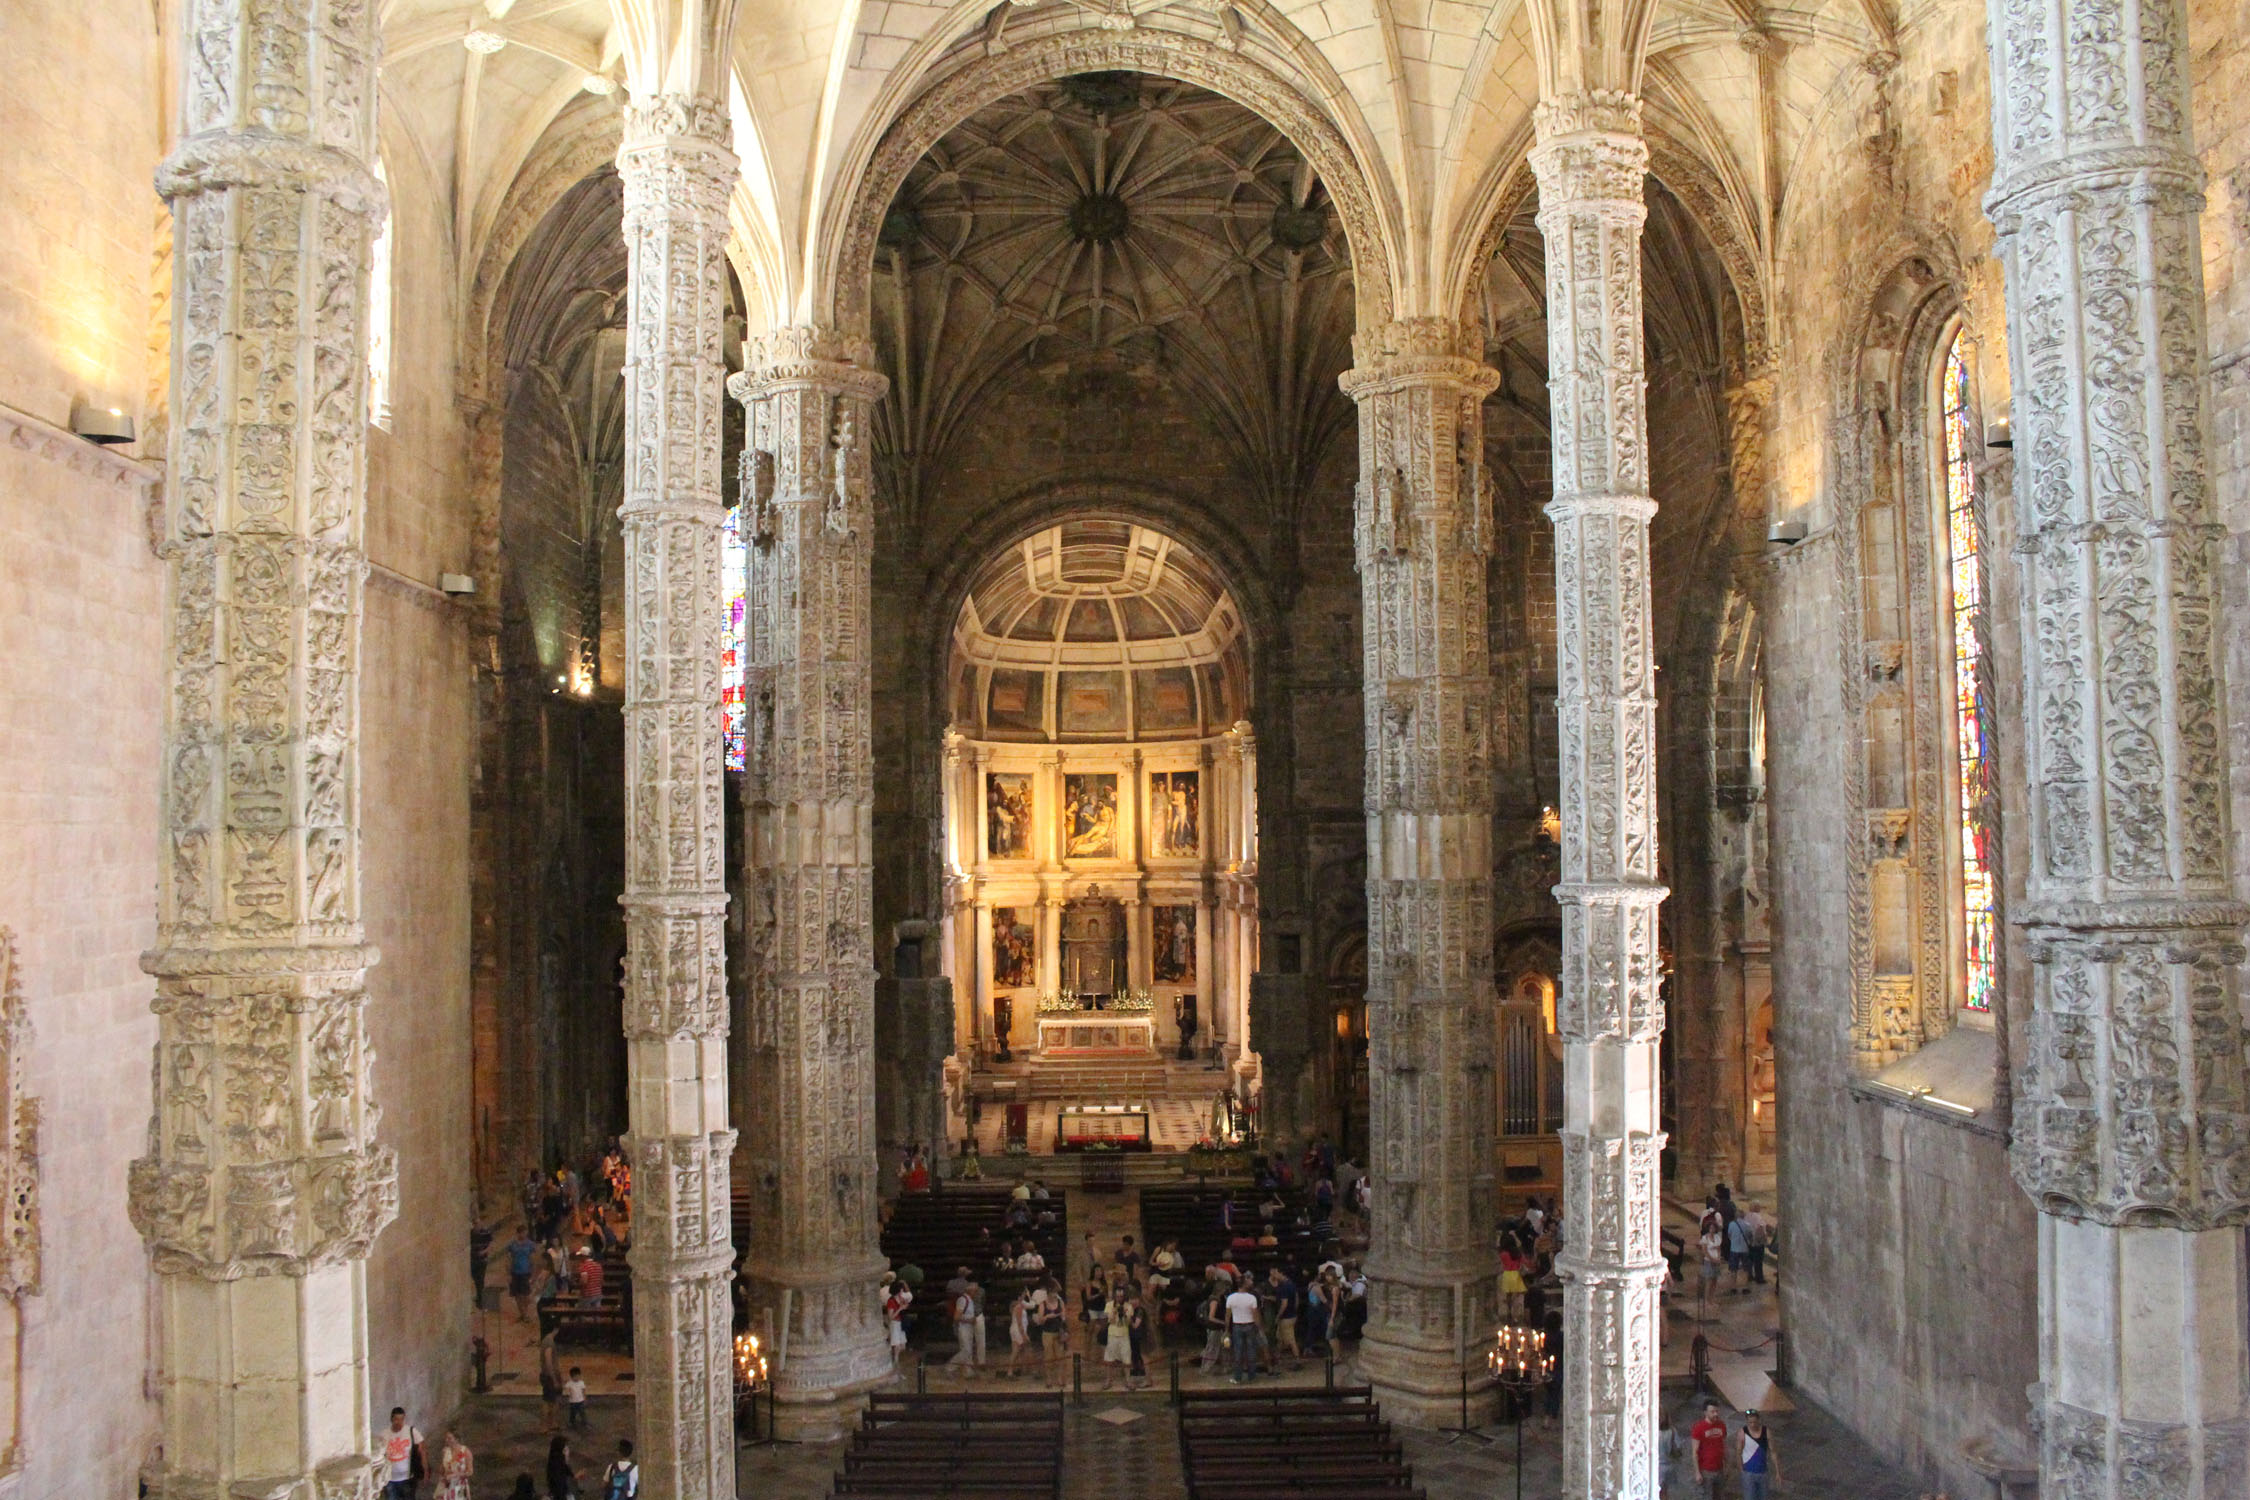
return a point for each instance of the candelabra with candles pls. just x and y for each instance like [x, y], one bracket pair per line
[1521, 1366]
[752, 1378]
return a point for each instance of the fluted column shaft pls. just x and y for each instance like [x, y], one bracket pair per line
[2131, 1128]
[813, 1256]
[676, 168]
[1590, 159]
[1423, 532]
[264, 1186]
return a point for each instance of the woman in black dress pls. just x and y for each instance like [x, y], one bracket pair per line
[562, 1484]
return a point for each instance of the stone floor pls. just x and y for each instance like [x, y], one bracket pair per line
[1121, 1443]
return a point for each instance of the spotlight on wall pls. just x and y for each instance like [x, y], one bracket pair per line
[1787, 533]
[456, 583]
[106, 425]
[2000, 432]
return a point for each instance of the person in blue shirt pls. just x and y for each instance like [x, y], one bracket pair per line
[1738, 1252]
[1760, 1467]
[522, 1251]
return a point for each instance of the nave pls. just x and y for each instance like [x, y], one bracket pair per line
[1122, 1444]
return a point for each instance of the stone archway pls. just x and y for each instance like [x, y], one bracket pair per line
[1161, 54]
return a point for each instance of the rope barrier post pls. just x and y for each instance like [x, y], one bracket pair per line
[1699, 1363]
[1329, 1379]
[1078, 1379]
[1175, 1377]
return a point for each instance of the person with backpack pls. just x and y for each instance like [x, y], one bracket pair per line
[402, 1458]
[1761, 1236]
[968, 1327]
[622, 1479]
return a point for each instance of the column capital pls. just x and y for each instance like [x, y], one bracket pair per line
[1587, 112]
[806, 356]
[676, 159]
[1589, 152]
[1412, 352]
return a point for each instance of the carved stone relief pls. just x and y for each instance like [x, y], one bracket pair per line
[676, 167]
[1590, 160]
[809, 819]
[264, 1183]
[1423, 535]
[2133, 1110]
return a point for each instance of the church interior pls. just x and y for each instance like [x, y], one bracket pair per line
[1415, 643]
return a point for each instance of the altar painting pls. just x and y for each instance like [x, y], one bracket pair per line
[1090, 815]
[1007, 815]
[1172, 954]
[1175, 811]
[1015, 950]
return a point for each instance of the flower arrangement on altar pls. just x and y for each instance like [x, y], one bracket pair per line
[1066, 1002]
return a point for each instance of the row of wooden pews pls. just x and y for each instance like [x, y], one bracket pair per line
[607, 1324]
[1319, 1444]
[1190, 1214]
[963, 1446]
[961, 1226]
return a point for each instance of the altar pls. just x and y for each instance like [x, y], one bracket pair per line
[1087, 1032]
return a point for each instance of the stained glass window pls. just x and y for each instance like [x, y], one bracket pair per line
[1972, 711]
[734, 640]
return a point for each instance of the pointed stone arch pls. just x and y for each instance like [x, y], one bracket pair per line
[844, 282]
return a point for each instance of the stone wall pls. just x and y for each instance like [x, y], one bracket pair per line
[417, 740]
[82, 683]
[1909, 1283]
[79, 762]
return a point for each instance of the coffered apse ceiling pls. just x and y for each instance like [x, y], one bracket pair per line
[1098, 629]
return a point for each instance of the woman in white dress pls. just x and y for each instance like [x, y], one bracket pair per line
[1117, 1341]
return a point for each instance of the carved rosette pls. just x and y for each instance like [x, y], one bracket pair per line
[1423, 530]
[810, 813]
[2131, 1112]
[264, 1184]
[675, 168]
[1590, 161]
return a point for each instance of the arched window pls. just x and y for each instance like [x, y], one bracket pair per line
[379, 317]
[734, 639]
[1971, 687]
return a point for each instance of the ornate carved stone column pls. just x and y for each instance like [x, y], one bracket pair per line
[1590, 159]
[2132, 1132]
[264, 1186]
[676, 168]
[1424, 528]
[813, 1256]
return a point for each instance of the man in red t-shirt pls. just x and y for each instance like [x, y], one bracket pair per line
[1710, 1439]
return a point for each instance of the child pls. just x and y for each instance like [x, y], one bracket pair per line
[574, 1398]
